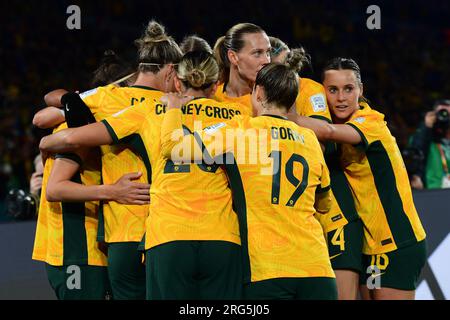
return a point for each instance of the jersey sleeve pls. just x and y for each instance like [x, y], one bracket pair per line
[368, 125]
[314, 103]
[325, 178]
[126, 122]
[92, 99]
[323, 190]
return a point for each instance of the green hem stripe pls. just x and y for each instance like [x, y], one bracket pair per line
[386, 185]
[240, 207]
[322, 190]
[363, 138]
[316, 116]
[72, 156]
[145, 88]
[110, 131]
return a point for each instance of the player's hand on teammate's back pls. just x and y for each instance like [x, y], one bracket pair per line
[126, 191]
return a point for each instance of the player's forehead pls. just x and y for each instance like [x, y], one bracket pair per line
[256, 41]
[339, 77]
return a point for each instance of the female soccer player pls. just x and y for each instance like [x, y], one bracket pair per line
[191, 216]
[311, 100]
[342, 227]
[195, 43]
[125, 224]
[284, 252]
[66, 234]
[394, 240]
[241, 53]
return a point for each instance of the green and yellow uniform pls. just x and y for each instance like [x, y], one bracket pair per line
[377, 175]
[279, 234]
[123, 225]
[311, 100]
[189, 202]
[245, 100]
[66, 235]
[382, 193]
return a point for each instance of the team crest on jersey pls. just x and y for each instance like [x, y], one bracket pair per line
[214, 127]
[86, 94]
[318, 102]
[360, 119]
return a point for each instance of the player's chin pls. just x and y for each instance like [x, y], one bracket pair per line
[342, 114]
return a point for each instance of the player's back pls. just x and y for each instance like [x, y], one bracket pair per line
[122, 222]
[282, 171]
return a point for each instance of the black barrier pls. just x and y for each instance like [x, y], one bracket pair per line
[23, 278]
[434, 209]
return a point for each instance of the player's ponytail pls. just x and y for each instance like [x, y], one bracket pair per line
[220, 53]
[195, 43]
[198, 70]
[111, 68]
[296, 58]
[156, 48]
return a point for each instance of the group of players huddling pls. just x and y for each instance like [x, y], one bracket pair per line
[222, 174]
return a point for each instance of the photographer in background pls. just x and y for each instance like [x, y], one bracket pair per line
[22, 205]
[433, 139]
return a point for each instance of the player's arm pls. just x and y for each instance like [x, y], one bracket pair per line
[61, 188]
[322, 202]
[172, 136]
[48, 117]
[92, 135]
[53, 98]
[340, 133]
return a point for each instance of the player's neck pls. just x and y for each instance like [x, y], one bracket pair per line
[273, 111]
[236, 86]
[197, 93]
[147, 80]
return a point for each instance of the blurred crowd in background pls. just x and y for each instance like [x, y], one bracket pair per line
[405, 65]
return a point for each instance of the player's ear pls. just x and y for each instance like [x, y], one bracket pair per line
[178, 85]
[361, 94]
[232, 57]
[214, 87]
[259, 93]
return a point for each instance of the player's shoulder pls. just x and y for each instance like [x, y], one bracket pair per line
[98, 91]
[310, 85]
[366, 114]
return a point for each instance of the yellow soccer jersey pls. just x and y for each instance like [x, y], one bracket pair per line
[188, 201]
[122, 223]
[382, 193]
[311, 100]
[64, 235]
[334, 218]
[245, 100]
[343, 208]
[275, 169]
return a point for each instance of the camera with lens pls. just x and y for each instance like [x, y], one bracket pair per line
[442, 124]
[21, 205]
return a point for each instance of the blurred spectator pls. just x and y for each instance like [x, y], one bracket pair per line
[433, 139]
[36, 177]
